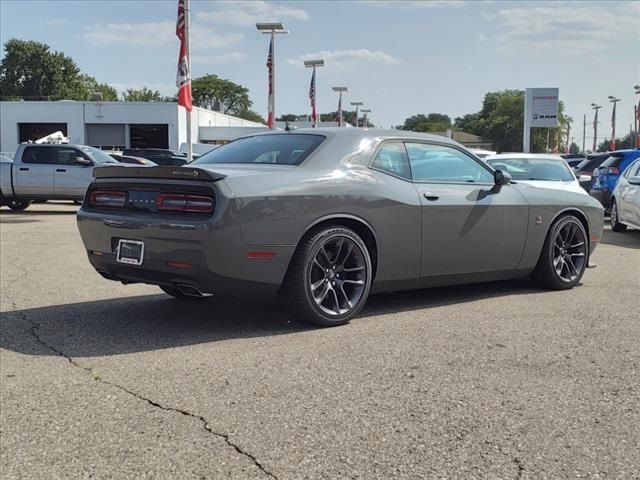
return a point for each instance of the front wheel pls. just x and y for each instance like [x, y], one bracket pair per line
[19, 205]
[330, 276]
[616, 226]
[564, 255]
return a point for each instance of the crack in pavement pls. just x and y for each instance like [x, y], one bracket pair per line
[205, 424]
[521, 468]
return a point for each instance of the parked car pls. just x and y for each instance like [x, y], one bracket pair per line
[625, 200]
[605, 177]
[48, 171]
[587, 166]
[480, 153]
[573, 159]
[132, 160]
[158, 155]
[324, 217]
[540, 170]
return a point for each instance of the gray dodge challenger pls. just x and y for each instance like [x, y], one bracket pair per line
[325, 217]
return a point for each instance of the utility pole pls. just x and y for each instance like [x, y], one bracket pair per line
[340, 91]
[357, 105]
[365, 121]
[613, 100]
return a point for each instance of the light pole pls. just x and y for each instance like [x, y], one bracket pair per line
[357, 105]
[312, 89]
[340, 90]
[272, 29]
[636, 118]
[365, 122]
[613, 100]
[595, 126]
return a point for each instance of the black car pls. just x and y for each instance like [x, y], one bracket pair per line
[160, 156]
[588, 165]
[573, 159]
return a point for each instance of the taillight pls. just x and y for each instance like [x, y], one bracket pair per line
[177, 202]
[613, 171]
[108, 198]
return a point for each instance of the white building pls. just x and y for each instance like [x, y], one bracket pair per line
[117, 125]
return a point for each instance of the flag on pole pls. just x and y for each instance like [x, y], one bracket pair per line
[270, 118]
[183, 79]
[613, 127]
[312, 97]
[340, 110]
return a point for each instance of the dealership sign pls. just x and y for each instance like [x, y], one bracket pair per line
[541, 107]
[540, 110]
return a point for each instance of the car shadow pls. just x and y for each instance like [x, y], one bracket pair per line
[628, 239]
[153, 322]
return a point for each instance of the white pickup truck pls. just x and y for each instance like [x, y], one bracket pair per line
[48, 171]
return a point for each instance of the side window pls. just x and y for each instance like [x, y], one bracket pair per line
[636, 169]
[439, 163]
[392, 158]
[38, 155]
[65, 155]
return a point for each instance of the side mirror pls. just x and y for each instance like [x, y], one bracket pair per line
[584, 178]
[502, 178]
[83, 162]
[634, 180]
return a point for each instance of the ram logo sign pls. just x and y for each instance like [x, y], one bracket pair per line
[541, 107]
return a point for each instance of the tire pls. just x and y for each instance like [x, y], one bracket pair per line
[19, 205]
[175, 293]
[564, 256]
[333, 296]
[616, 226]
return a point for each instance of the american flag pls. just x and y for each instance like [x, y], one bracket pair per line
[183, 78]
[312, 97]
[270, 118]
[340, 110]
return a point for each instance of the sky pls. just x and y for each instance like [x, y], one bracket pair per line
[400, 58]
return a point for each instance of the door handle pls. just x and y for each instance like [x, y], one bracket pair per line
[24, 169]
[430, 196]
[60, 170]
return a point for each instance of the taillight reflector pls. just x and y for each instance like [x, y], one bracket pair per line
[179, 264]
[108, 198]
[254, 255]
[613, 171]
[177, 202]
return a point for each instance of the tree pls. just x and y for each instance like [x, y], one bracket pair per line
[289, 117]
[142, 95]
[574, 148]
[90, 86]
[433, 122]
[216, 93]
[31, 71]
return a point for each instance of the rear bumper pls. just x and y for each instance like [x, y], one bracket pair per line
[211, 254]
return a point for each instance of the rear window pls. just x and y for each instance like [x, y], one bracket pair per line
[274, 149]
[612, 162]
[589, 164]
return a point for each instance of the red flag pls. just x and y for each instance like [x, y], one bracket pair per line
[613, 127]
[183, 79]
[312, 97]
[270, 118]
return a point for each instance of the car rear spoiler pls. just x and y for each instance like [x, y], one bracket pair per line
[164, 173]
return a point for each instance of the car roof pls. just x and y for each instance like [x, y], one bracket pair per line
[541, 156]
[382, 134]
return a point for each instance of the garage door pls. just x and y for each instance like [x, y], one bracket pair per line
[106, 136]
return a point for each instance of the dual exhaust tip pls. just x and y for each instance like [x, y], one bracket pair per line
[186, 289]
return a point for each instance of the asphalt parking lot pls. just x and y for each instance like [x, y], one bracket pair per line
[498, 380]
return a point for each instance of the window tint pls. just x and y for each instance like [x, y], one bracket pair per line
[533, 168]
[439, 163]
[272, 149]
[633, 170]
[392, 158]
[612, 161]
[41, 155]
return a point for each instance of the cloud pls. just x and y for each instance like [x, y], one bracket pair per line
[247, 13]
[341, 58]
[221, 58]
[563, 27]
[156, 34]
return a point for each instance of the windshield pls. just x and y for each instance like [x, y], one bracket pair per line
[98, 155]
[274, 149]
[534, 169]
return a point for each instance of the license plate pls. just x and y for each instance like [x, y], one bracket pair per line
[130, 252]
